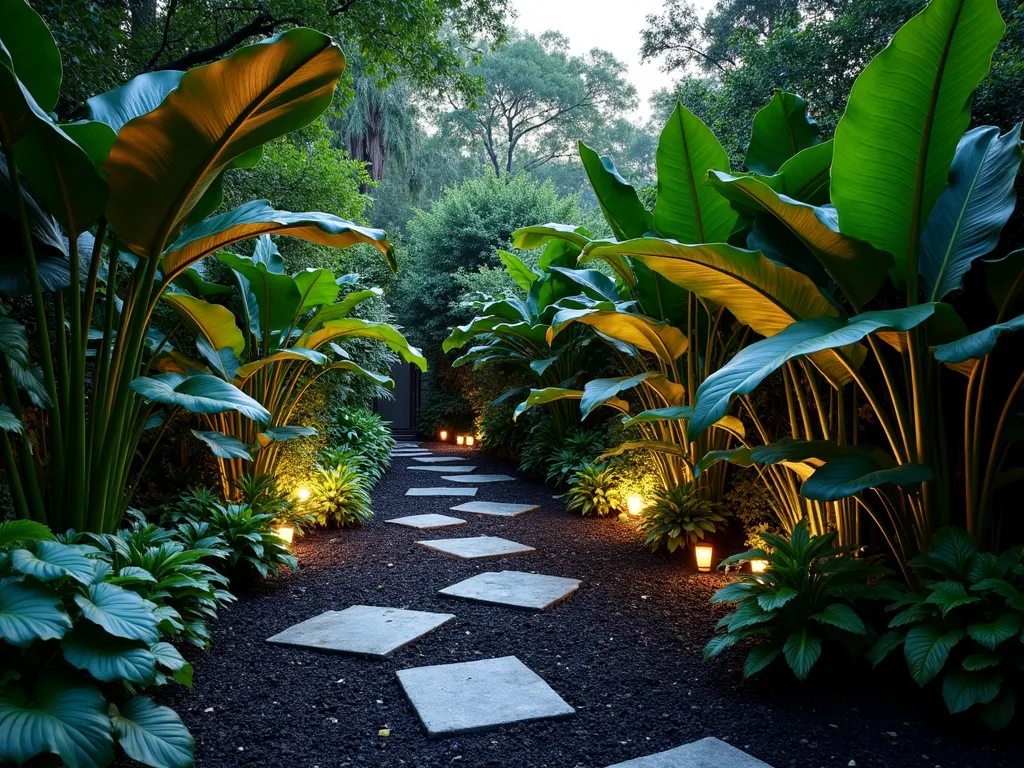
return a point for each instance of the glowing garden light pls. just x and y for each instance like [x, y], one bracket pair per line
[758, 566]
[470, 440]
[704, 552]
[444, 435]
[285, 532]
[460, 440]
[635, 505]
[302, 493]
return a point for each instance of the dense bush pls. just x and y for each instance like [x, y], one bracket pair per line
[678, 516]
[364, 432]
[77, 651]
[966, 627]
[339, 497]
[594, 490]
[805, 600]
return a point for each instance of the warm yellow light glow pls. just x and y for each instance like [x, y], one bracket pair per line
[470, 440]
[758, 566]
[635, 504]
[460, 440]
[704, 552]
[302, 493]
[444, 435]
[285, 532]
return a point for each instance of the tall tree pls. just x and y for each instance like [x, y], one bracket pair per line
[541, 98]
[426, 41]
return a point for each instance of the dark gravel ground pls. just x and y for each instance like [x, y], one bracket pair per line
[625, 651]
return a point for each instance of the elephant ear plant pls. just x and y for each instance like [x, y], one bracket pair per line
[77, 651]
[100, 218]
[292, 331]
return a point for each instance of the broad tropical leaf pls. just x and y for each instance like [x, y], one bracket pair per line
[927, 647]
[154, 735]
[164, 161]
[52, 560]
[547, 395]
[201, 393]
[977, 345]
[602, 391]
[906, 113]
[64, 718]
[316, 287]
[23, 530]
[781, 129]
[120, 612]
[517, 270]
[751, 365]
[223, 446]
[687, 210]
[138, 96]
[108, 658]
[48, 244]
[32, 52]
[295, 353]
[654, 336]
[29, 612]
[847, 476]
[342, 308]
[805, 176]
[280, 434]
[214, 322]
[9, 422]
[857, 268]
[352, 327]
[961, 690]
[619, 203]
[970, 213]
[529, 238]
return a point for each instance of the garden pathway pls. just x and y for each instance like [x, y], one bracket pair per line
[623, 650]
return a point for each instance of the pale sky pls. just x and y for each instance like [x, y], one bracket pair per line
[613, 25]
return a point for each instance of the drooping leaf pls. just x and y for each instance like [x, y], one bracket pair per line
[846, 476]
[841, 616]
[961, 689]
[164, 161]
[281, 434]
[223, 361]
[547, 395]
[52, 560]
[108, 658]
[970, 213]
[530, 238]
[517, 270]
[200, 394]
[23, 530]
[805, 176]
[781, 129]
[686, 209]
[906, 112]
[119, 611]
[751, 365]
[295, 353]
[594, 283]
[619, 203]
[992, 633]
[352, 327]
[154, 735]
[599, 391]
[31, 51]
[193, 281]
[224, 446]
[9, 422]
[214, 322]
[64, 717]
[977, 345]
[342, 308]
[654, 336]
[857, 268]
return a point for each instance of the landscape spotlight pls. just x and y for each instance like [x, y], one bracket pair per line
[704, 552]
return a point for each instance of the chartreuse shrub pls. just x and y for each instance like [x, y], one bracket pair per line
[966, 628]
[101, 219]
[364, 432]
[77, 652]
[339, 497]
[807, 599]
[678, 516]
[594, 490]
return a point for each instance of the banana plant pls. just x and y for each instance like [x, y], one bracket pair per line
[102, 216]
[292, 331]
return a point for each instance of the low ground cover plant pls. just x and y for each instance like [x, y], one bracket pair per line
[79, 650]
[678, 516]
[806, 600]
[594, 490]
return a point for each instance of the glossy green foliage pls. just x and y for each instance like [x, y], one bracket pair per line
[677, 517]
[809, 598]
[363, 433]
[594, 489]
[340, 498]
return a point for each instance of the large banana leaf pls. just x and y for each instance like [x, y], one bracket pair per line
[316, 287]
[258, 218]
[165, 161]
[781, 129]
[603, 391]
[342, 308]
[905, 115]
[199, 394]
[805, 176]
[299, 354]
[857, 267]
[530, 238]
[353, 327]
[970, 213]
[213, 321]
[977, 345]
[223, 446]
[277, 296]
[654, 336]
[763, 295]
[518, 270]
[686, 209]
[751, 365]
[619, 203]
[547, 395]
[138, 96]
[33, 54]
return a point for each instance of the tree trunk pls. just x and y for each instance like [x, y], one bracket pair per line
[143, 12]
[370, 147]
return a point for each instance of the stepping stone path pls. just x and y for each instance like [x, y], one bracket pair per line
[362, 630]
[437, 459]
[427, 522]
[706, 753]
[448, 468]
[480, 479]
[515, 588]
[495, 508]
[476, 547]
[441, 492]
[479, 696]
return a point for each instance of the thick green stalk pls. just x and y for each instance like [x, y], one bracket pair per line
[30, 474]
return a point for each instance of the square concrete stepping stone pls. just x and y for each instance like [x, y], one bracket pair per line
[412, 452]
[438, 459]
[362, 630]
[706, 753]
[515, 588]
[479, 696]
[427, 522]
[480, 479]
[441, 492]
[496, 508]
[476, 547]
[448, 468]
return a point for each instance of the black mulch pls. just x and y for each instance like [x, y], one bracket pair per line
[625, 651]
